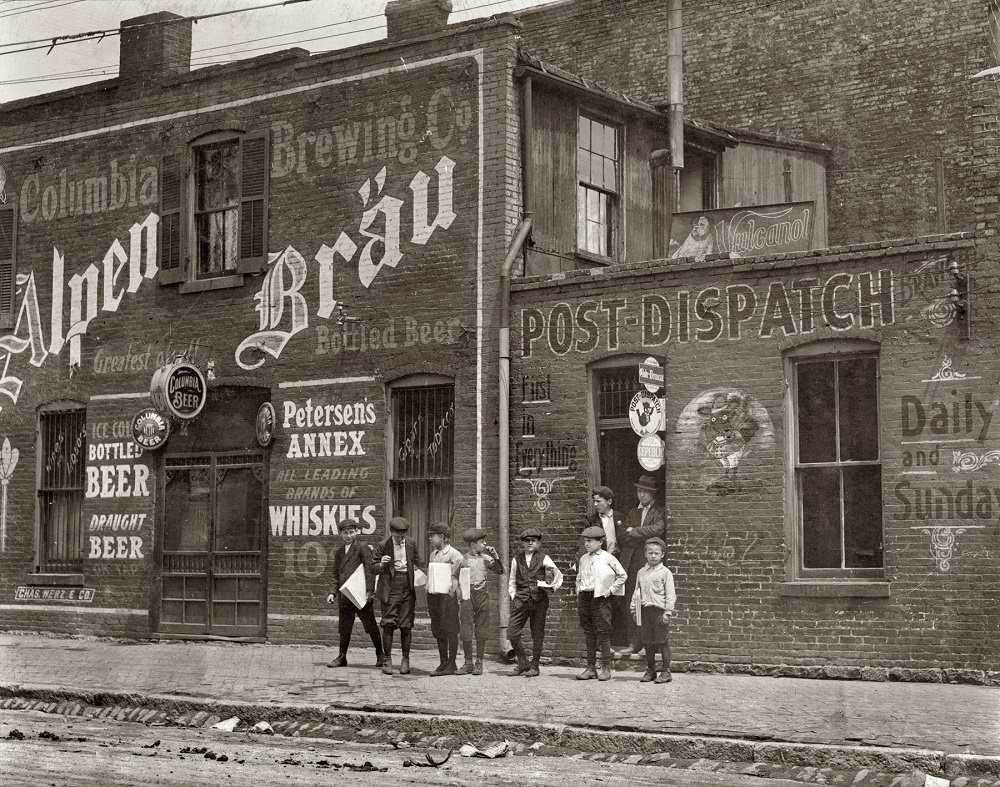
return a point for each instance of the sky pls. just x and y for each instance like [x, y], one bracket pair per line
[315, 25]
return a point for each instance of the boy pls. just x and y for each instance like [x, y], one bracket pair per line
[599, 576]
[443, 606]
[345, 562]
[396, 592]
[475, 611]
[533, 576]
[645, 521]
[652, 605]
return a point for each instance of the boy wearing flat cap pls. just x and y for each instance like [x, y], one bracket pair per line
[397, 560]
[533, 576]
[644, 521]
[442, 603]
[345, 563]
[599, 576]
[474, 612]
[652, 605]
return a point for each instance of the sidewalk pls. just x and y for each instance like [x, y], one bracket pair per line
[953, 719]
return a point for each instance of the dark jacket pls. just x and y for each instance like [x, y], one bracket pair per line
[388, 571]
[633, 545]
[595, 520]
[345, 563]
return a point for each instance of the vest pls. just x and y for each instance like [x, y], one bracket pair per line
[526, 579]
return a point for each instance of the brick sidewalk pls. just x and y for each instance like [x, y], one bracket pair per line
[943, 717]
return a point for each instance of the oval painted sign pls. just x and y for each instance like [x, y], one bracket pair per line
[180, 389]
[150, 429]
[265, 424]
[650, 452]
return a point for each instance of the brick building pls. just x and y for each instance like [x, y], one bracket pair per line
[327, 234]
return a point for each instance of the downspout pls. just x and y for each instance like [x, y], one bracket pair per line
[503, 420]
[675, 81]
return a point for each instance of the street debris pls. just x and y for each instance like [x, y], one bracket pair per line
[229, 725]
[501, 749]
[289, 761]
[367, 767]
[263, 728]
[152, 745]
[49, 736]
[193, 749]
[15, 735]
[431, 762]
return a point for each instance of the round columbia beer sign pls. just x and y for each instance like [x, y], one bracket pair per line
[150, 429]
[180, 389]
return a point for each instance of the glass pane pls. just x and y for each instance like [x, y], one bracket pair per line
[593, 205]
[194, 612]
[581, 217]
[217, 175]
[863, 517]
[583, 165]
[225, 589]
[248, 615]
[610, 142]
[186, 510]
[195, 587]
[584, 142]
[819, 498]
[858, 387]
[816, 413]
[224, 614]
[237, 510]
[249, 589]
[610, 175]
[173, 587]
[217, 239]
[172, 612]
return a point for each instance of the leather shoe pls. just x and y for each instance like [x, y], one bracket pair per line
[532, 671]
[588, 674]
[465, 669]
[387, 666]
[478, 668]
[379, 661]
[664, 677]
[404, 666]
[648, 677]
[340, 661]
[604, 674]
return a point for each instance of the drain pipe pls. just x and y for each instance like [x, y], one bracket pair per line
[503, 421]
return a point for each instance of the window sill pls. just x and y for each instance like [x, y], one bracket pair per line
[598, 259]
[834, 588]
[206, 285]
[55, 580]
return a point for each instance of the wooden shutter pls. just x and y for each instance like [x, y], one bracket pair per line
[173, 246]
[255, 164]
[8, 266]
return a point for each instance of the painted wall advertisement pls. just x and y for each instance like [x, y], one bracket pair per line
[743, 232]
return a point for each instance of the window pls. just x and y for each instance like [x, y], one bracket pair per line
[837, 465]
[423, 454]
[696, 185]
[63, 436]
[213, 208]
[597, 195]
[8, 252]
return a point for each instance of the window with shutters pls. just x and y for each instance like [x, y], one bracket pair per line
[8, 267]
[213, 209]
[62, 455]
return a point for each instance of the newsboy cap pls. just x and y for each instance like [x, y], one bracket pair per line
[594, 532]
[647, 482]
[349, 524]
[399, 524]
[656, 540]
[473, 534]
[440, 529]
[603, 491]
[531, 532]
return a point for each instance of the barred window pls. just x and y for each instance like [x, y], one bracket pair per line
[63, 436]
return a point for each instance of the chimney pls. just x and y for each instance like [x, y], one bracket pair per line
[154, 47]
[415, 18]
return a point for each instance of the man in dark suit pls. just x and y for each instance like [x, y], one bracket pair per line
[397, 560]
[346, 561]
[645, 521]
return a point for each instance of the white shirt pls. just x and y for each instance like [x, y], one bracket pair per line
[399, 555]
[608, 523]
[642, 516]
[587, 573]
[547, 562]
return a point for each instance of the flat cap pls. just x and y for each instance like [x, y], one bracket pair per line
[603, 491]
[594, 532]
[349, 524]
[473, 534]
[399, 524]
[440, 529]
[531, 532]
[656, 540]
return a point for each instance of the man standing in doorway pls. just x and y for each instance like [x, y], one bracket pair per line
[645, 521]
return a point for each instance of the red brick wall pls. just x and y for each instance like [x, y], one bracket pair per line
[728, 550]
[422, 314]
[886, 86]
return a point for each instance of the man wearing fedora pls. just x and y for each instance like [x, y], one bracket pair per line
[643, 522]
[397, 560]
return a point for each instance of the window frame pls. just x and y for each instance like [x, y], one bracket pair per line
[825, 350]
[616, 197]
[8, 265]
[711, 182]
[43, 565]
[196, 211]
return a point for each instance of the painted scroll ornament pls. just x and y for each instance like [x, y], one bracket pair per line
[8, 461]
[541, 488]
[970, 460]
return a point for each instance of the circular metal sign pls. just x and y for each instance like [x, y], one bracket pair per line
[651, 375]
[650, 452]
[150, 429]
[645, 413]
[265, 424]
[180, 389]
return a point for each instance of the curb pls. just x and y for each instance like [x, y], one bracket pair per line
[338, 721]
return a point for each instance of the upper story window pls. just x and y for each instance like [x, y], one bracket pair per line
[598, 172]
[213, 209]
[837, 464]
[8, 262]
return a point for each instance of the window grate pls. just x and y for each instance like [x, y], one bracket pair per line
[615, 389]
[63, 436]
